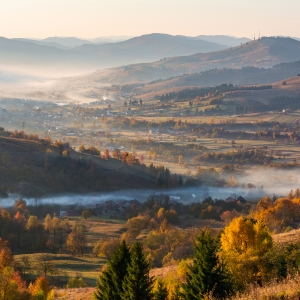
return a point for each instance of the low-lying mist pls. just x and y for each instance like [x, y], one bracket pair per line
[263, 182]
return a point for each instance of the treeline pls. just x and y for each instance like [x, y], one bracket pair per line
[222, 132]
[26, 233]
[193, 93]
[284, 102]
[208, 91]
[241, 156]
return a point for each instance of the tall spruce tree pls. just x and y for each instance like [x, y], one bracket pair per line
[110, 281]
[137, 284]
[207, 273]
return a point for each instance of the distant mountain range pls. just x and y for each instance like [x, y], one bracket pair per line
[149, 47]
[146, 58]
[229, 41]
[71, 42]
[262, 53]
[61, 56]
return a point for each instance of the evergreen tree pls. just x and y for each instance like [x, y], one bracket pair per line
[160, 292]
[207, 274]
[110, 281]
[137, 284]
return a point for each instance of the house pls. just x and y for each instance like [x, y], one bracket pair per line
[229, 199]
[241, 199]
[70, 133]
[69, 213]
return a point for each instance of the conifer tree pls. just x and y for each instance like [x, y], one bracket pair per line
[110, 281]
[137, 284]
[160, 291]
[207, 273]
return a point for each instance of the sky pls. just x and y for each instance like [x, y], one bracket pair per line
[94, 18]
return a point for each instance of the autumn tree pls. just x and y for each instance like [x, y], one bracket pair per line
[6, 257]
[106, 247]
[244, 242]
[81, 148]
[180, 159]
[40, 289]
[86, 214]
[12, 286]
[76, 283]
[160, 291]
[77, 239]
[116, 154]
[106, 154]
[154, 155]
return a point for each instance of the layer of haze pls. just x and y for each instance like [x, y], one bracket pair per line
[92, 18]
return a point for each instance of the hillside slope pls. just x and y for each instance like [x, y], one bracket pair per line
[244, 76]
[35, 169]
[263, 53]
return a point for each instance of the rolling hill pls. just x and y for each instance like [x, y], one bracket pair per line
[263, 53]
[36, 169]
[243, 76]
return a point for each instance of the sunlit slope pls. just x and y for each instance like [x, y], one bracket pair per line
[263, 53]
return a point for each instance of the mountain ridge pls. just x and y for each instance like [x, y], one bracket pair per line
[263, 53]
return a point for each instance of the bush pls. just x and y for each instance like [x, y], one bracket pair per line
[76, 283]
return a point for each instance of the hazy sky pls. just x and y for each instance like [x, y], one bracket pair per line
[93, 18]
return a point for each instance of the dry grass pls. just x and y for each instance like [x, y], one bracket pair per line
[288, 290]
[74, 294]
[292, 236]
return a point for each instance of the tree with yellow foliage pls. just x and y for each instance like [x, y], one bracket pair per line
[279, 214]
[244, 242]
[40, 290]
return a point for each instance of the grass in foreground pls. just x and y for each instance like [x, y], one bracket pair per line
[288, 289]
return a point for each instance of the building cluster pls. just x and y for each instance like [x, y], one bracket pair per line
[106, 208]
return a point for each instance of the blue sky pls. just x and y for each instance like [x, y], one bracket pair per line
[93, 18]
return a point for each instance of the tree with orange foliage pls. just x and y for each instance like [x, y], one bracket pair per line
[124, 155]
[19, 218]
[6, 257]
[283, 212]
[20, 205]
[11, 285]
[40, 289]
[106, 154]
[116, 154]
